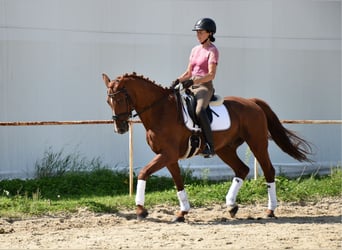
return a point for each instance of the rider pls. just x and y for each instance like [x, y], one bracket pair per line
[199, 76]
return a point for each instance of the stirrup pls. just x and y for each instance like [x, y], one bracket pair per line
[208, 151]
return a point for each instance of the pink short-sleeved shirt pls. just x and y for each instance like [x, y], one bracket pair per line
[201, 57]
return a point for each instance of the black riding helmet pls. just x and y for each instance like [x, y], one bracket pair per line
[205, 24]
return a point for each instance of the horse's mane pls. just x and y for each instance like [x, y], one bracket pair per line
[142, 77]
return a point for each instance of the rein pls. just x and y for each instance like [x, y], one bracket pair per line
[149, 106]
[129, 100]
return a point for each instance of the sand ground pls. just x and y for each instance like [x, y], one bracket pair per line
[312, 225]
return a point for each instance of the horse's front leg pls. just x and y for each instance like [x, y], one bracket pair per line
[140, 200]
[158, 162]
[181, 193]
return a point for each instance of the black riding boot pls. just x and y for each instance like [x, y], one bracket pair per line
[203, 120]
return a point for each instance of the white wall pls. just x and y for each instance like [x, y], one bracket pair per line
[52, 54]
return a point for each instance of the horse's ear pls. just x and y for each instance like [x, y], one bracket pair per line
[106, 79]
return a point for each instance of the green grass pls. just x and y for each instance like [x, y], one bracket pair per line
[106, 191]
[103, 190]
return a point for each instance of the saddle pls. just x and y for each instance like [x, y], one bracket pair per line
[191, 103]
[187, 103]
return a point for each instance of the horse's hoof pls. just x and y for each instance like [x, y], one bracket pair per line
[178, 219]
[180, 216]
[141, 213]
[270, 214]
[233, 210]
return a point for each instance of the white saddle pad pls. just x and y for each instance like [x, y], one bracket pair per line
[221, 119]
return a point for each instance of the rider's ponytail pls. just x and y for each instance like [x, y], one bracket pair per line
[212, 38]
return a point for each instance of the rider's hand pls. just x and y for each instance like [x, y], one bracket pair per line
[175, 83]
[188, 83]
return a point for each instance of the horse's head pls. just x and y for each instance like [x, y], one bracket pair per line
[120, 103]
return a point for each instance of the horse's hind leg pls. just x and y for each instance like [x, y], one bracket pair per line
[229, 156]
[259, 146]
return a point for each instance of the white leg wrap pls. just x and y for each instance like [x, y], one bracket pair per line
[140, 195]
[233, 191]
[272, 196]
[183, 201]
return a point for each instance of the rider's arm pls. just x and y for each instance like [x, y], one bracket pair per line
[187, 74]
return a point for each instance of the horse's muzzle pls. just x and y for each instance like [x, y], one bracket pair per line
[121, 127]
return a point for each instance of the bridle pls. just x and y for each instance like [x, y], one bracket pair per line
[130, 106]
[128, 101]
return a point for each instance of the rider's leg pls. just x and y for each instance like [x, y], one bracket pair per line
[203, 95]
[208, 136]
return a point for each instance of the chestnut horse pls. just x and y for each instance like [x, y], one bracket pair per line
[252, 121]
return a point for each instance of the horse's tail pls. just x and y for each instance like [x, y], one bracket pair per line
[287, 140]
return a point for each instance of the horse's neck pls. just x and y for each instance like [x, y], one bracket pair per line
[148, 98]
[146, 93]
